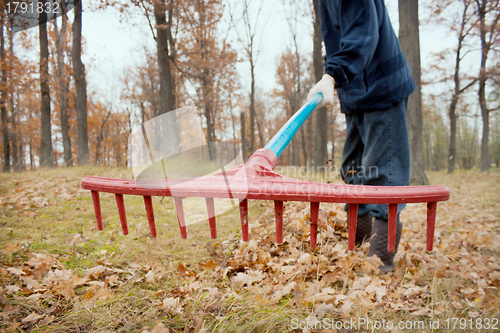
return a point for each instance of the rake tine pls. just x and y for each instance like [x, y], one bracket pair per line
[151, 216]
[393, 220]
[211, 217]
[244, 219]
[353, 223]
[431, 223]
[314, 223]
[97, 209]
[121, 211]
[278, 208]
[179, 209]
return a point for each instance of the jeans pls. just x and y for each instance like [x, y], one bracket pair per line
[377, 152]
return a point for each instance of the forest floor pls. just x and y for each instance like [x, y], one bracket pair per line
[58, 273]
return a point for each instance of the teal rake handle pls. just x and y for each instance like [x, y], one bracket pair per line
[281, 139]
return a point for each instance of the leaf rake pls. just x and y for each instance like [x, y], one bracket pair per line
[256, 180]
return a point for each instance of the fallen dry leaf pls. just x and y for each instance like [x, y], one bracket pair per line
[97, 294]
[210, 264]
[371, 264]
[78, 281]
[103, 294]
[346, 263]
[361, 283]
[47, 320]
[494, 276]
[11, 248]
[380, 291]
[425, 312]
[347, 306]
[29, 281]
[305, 259]
[192, 286]
[150, 276]
[4, 272]
[16, 271]
[8, 310]
[160, 328]
[112, 280]
[95, 272]
[242, 279]
[413, 291]
[183, 270]
[323, 309]
[90, 293]
[172, 304]
[32, 318]
[12, 289]
[276, 297]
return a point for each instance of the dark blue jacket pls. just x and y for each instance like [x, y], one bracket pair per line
[363, 55]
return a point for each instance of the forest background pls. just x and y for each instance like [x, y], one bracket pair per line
[238, 62]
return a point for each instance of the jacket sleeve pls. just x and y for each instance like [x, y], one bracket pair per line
[359, 34]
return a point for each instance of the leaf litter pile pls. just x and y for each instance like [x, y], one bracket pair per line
[256, 286]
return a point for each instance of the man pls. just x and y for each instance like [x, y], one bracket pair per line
[364, 62]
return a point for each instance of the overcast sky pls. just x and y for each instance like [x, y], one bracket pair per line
[115, 43]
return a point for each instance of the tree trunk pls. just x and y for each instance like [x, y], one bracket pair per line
[451, 112]
[310, 140]
[452, 155]
[162, 46]
[333, 146]
[3, 107]
[243, 137]
[320, 147]
[259, 128]
[16, 148]
[63, 87]
[101, 136]
[81, 88]
[304, 144]
[294, 142]
[46, 153]
[485, 48]
[118, 155]
[167, 87]
[208, 116]
[296, 102]
[410, 43]
[16, 164]
[233, 123]
[485, 158]
[252, 107]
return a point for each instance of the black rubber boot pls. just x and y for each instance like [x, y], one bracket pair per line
[363, 228]
[378, 243]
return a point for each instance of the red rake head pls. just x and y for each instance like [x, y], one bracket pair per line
[256, 181]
